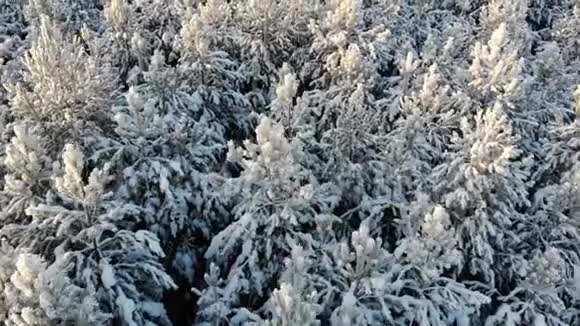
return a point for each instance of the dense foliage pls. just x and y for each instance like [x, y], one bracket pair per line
[289, 162]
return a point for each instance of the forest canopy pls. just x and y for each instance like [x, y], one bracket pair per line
[289, 162]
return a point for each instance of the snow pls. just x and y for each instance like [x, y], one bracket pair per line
[295, 162]
[108, 276]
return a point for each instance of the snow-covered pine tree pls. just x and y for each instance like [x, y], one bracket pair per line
[486, 176]
[271, 32]
[165, 157]
[94, 233]
[213, 74]
[277, 202]
[27, 175]
[63, 89]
